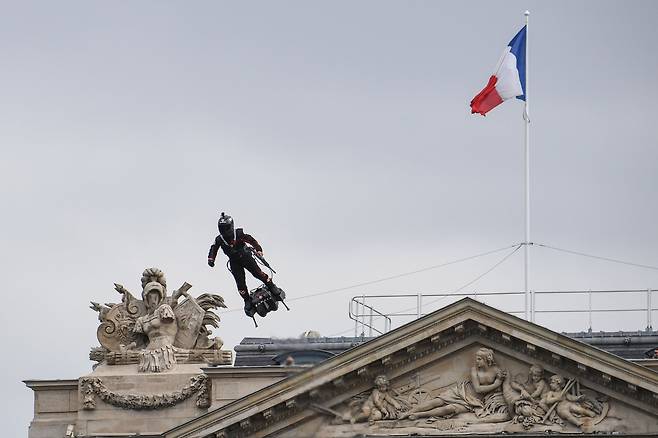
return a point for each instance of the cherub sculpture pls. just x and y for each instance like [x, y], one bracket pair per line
[381, 404]
[535, 387]
[523, 397]
[537, 403]
[569, 407]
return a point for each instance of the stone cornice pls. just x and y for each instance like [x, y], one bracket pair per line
[264, 371]
[652, 364]
[49, 385]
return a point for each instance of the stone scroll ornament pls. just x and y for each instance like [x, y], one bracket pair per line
[157, 328]
[93, 387]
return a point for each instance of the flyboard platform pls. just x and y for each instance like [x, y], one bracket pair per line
[264, 301]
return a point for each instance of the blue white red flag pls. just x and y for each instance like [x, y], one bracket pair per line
[508, 81]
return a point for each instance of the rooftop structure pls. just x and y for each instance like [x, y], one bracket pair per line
[634, 346]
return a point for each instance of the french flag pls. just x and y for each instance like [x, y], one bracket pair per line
[509, 79]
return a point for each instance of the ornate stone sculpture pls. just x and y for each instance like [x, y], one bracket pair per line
[159, 325]
[577, 409]
[157, 331]
[523, 397]
[534, 387]
[381, 404]
[481, 394]
[94, 386]
[490, 399]
[537, 403]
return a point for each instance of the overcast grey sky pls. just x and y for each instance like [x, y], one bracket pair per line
[337, 133]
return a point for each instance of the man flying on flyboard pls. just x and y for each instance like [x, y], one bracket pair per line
[241, 248]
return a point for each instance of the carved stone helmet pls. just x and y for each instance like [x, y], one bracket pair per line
[151, 287]
[153, 280]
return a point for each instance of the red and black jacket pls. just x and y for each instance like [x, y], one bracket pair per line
[233, 248]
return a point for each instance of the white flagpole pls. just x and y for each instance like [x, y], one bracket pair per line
[526, 118]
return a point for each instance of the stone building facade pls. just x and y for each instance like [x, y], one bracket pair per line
[465, 369]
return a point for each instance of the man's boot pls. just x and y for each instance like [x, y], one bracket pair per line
[277, 293]
[249, 309]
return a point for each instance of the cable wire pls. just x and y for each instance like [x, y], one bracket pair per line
[404, 274]
[490, 269]
[498, 263]
[607, 259]
[517, 247]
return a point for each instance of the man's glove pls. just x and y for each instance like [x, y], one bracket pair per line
[211, 262]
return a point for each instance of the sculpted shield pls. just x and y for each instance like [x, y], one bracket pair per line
[117, 327]
[190, 318]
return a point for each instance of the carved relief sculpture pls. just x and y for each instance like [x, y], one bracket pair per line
[535, 402]
[482, 394]
[94, 386]
[381, 404]
[569, 407]
[534, 387]
[522, 397]
[489, 400]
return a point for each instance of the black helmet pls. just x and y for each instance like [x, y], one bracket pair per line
[225, 225]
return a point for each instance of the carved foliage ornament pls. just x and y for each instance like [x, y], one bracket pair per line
[94, 386]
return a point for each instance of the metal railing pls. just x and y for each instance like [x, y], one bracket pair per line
[368, 318]
[372, 315]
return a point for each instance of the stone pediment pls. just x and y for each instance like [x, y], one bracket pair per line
[467, 368]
